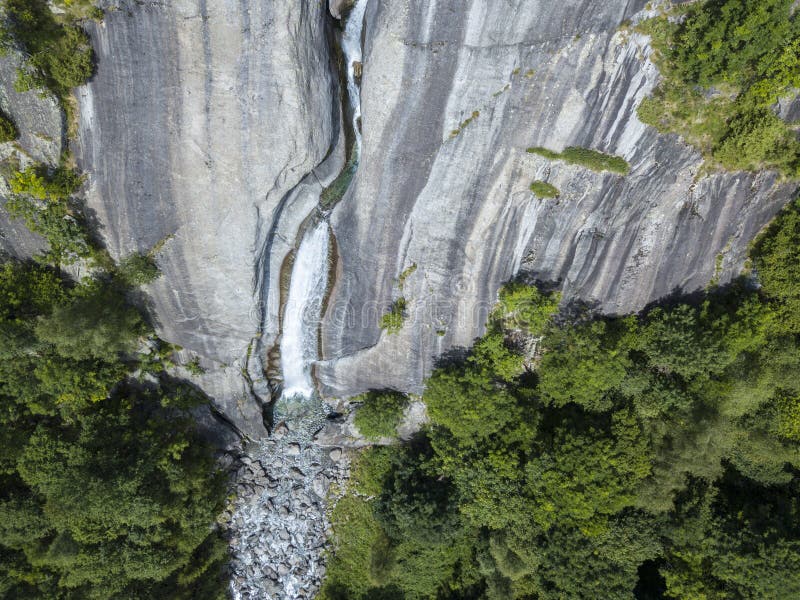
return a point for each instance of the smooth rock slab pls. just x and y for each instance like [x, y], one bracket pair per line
[452, 197]
[202, 118]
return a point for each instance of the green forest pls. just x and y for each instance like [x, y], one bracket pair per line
[107, 489]
[657, 455]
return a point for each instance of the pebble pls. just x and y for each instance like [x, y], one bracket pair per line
[280, 431]
[293, 449]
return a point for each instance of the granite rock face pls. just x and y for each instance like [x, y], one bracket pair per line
[211, 127]
[453, 93]
[40, 122]
[202, 119]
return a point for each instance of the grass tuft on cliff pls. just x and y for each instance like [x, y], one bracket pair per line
[585, 157]
[544, 189]
[393, 321]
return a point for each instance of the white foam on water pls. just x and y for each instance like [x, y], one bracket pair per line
[303, 310]
[351, 48]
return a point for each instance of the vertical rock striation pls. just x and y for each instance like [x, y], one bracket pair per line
[203, 118]
[453, 94]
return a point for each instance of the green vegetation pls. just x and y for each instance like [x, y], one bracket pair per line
[138, 269]
[544, 189]
[380, 414]
[336, 190]
[475, 114]
[8, 131]
[194, 367]
[657, 454]
[60, 56]
[548, 154]
[591, 159]
[44, 200]
[393, 321]
[408, 272]
[107, 489]
[724, 66]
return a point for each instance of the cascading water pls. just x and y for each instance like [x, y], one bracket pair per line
[278, 522]
[351, 48]
[302, 312]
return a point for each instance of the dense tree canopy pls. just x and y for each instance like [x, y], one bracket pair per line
[106, 489]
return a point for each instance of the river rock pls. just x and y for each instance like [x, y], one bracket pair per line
[280, 430]
[320, 485]
[293, 449]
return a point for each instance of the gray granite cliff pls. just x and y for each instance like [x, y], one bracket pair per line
[211, 128]
[454, 92]
[202, 121]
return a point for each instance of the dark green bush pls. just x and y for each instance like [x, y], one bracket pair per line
[8, 131]
[138, 269]
[380, 413]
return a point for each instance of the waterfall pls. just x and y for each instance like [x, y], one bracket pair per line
[278, 522]
[310, 272]
[303, 311]
[351, 48]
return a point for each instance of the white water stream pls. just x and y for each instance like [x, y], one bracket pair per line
[351, 48]
[303, 311]
[310, 271]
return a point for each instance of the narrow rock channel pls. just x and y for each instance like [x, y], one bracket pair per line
[278, 522]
